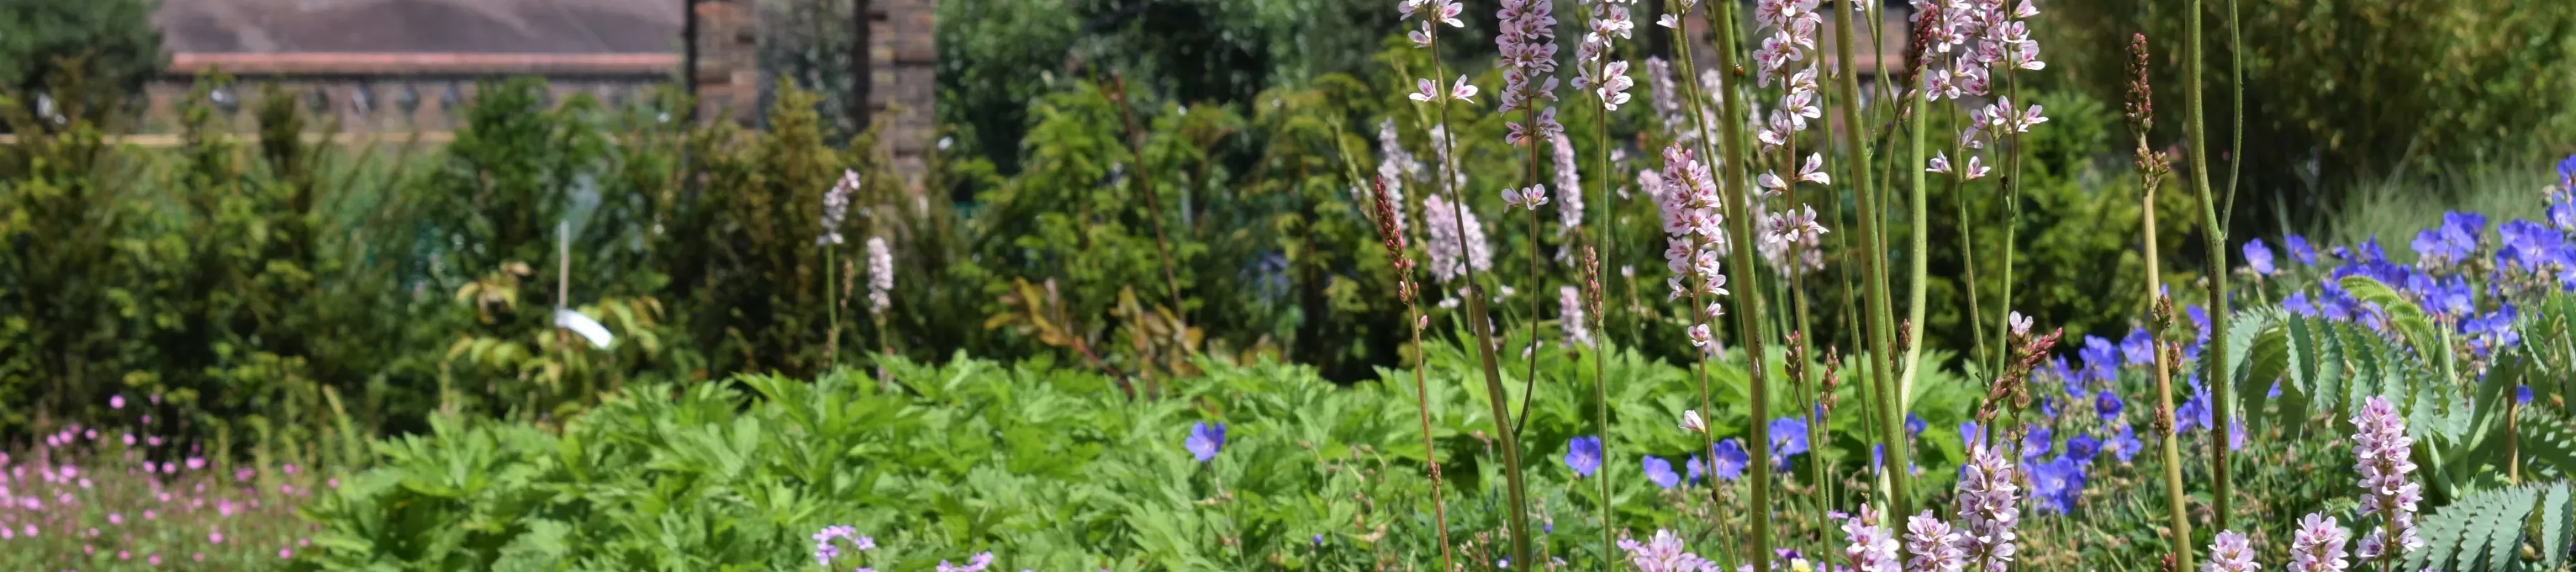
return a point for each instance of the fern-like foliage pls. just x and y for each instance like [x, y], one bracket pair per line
[2487, 531]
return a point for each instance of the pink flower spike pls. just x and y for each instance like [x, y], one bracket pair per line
[2026, 10]
[1940, 163]
[1449, 14]
[116, 402]
[216, 537]
[1669, 21]
[285, 554]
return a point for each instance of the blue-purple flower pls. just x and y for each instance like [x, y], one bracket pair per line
[1205, 440]
[1728, 460]
[1583, 454]
[2126, 444]
[1788, 439]
[1661, 472]
[2036, 443]
[2258, 257]
[2057, 484]
[2101, 359]
[2082, 448]
[2299, 249]
[2107, 405]
[1913, 425]
[2138, 348]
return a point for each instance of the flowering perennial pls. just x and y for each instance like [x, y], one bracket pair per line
[880, 277]
[1933, 546]
[1989, 507]
[2380, 448]
[1869, 544]
[2230, 553]
[1663, 553]
[2318, 545]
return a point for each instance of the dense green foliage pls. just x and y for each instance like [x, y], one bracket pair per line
[1049, 467]
[110, 43]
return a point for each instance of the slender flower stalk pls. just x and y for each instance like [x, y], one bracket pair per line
[1748, 327]
[1446, 12]
[836, 206]
[1880, 329]
[2153, 168]
[2214, 358]
[1390, 228]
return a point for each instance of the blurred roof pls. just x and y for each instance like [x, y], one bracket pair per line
[420, 26]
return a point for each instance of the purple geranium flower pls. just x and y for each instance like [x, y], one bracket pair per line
[2082, 448]
[2101, 359]
[2107, 405]
[2299, 249]
[1583, 454]
[1205, 440]
[2126, 444]
[2258, 257]
[1661, 472]
[2037, 443]
[1788, 439]
[2057, 484]
[2138, 348]
[1727, 460]
[2297, 303]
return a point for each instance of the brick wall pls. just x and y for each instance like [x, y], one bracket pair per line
[902, 61]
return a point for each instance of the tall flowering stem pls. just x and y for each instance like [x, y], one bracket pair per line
[1390, 229]
[836, 206]
[1881, 329]
[1596, 63]
[2153, 168]
[2214, 358]
[1527, 45]
[1748, 320]
[1702, 223]
[1435, 12]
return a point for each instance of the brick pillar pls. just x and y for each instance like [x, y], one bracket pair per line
[727, 68]
[903, 75]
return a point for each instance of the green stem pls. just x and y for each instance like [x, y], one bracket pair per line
[1881, 331]
[1748, 321]
[1601, 335]
[2214, 358]
[1482, 328]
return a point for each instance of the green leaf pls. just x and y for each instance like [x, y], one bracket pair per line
[2555, 511]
